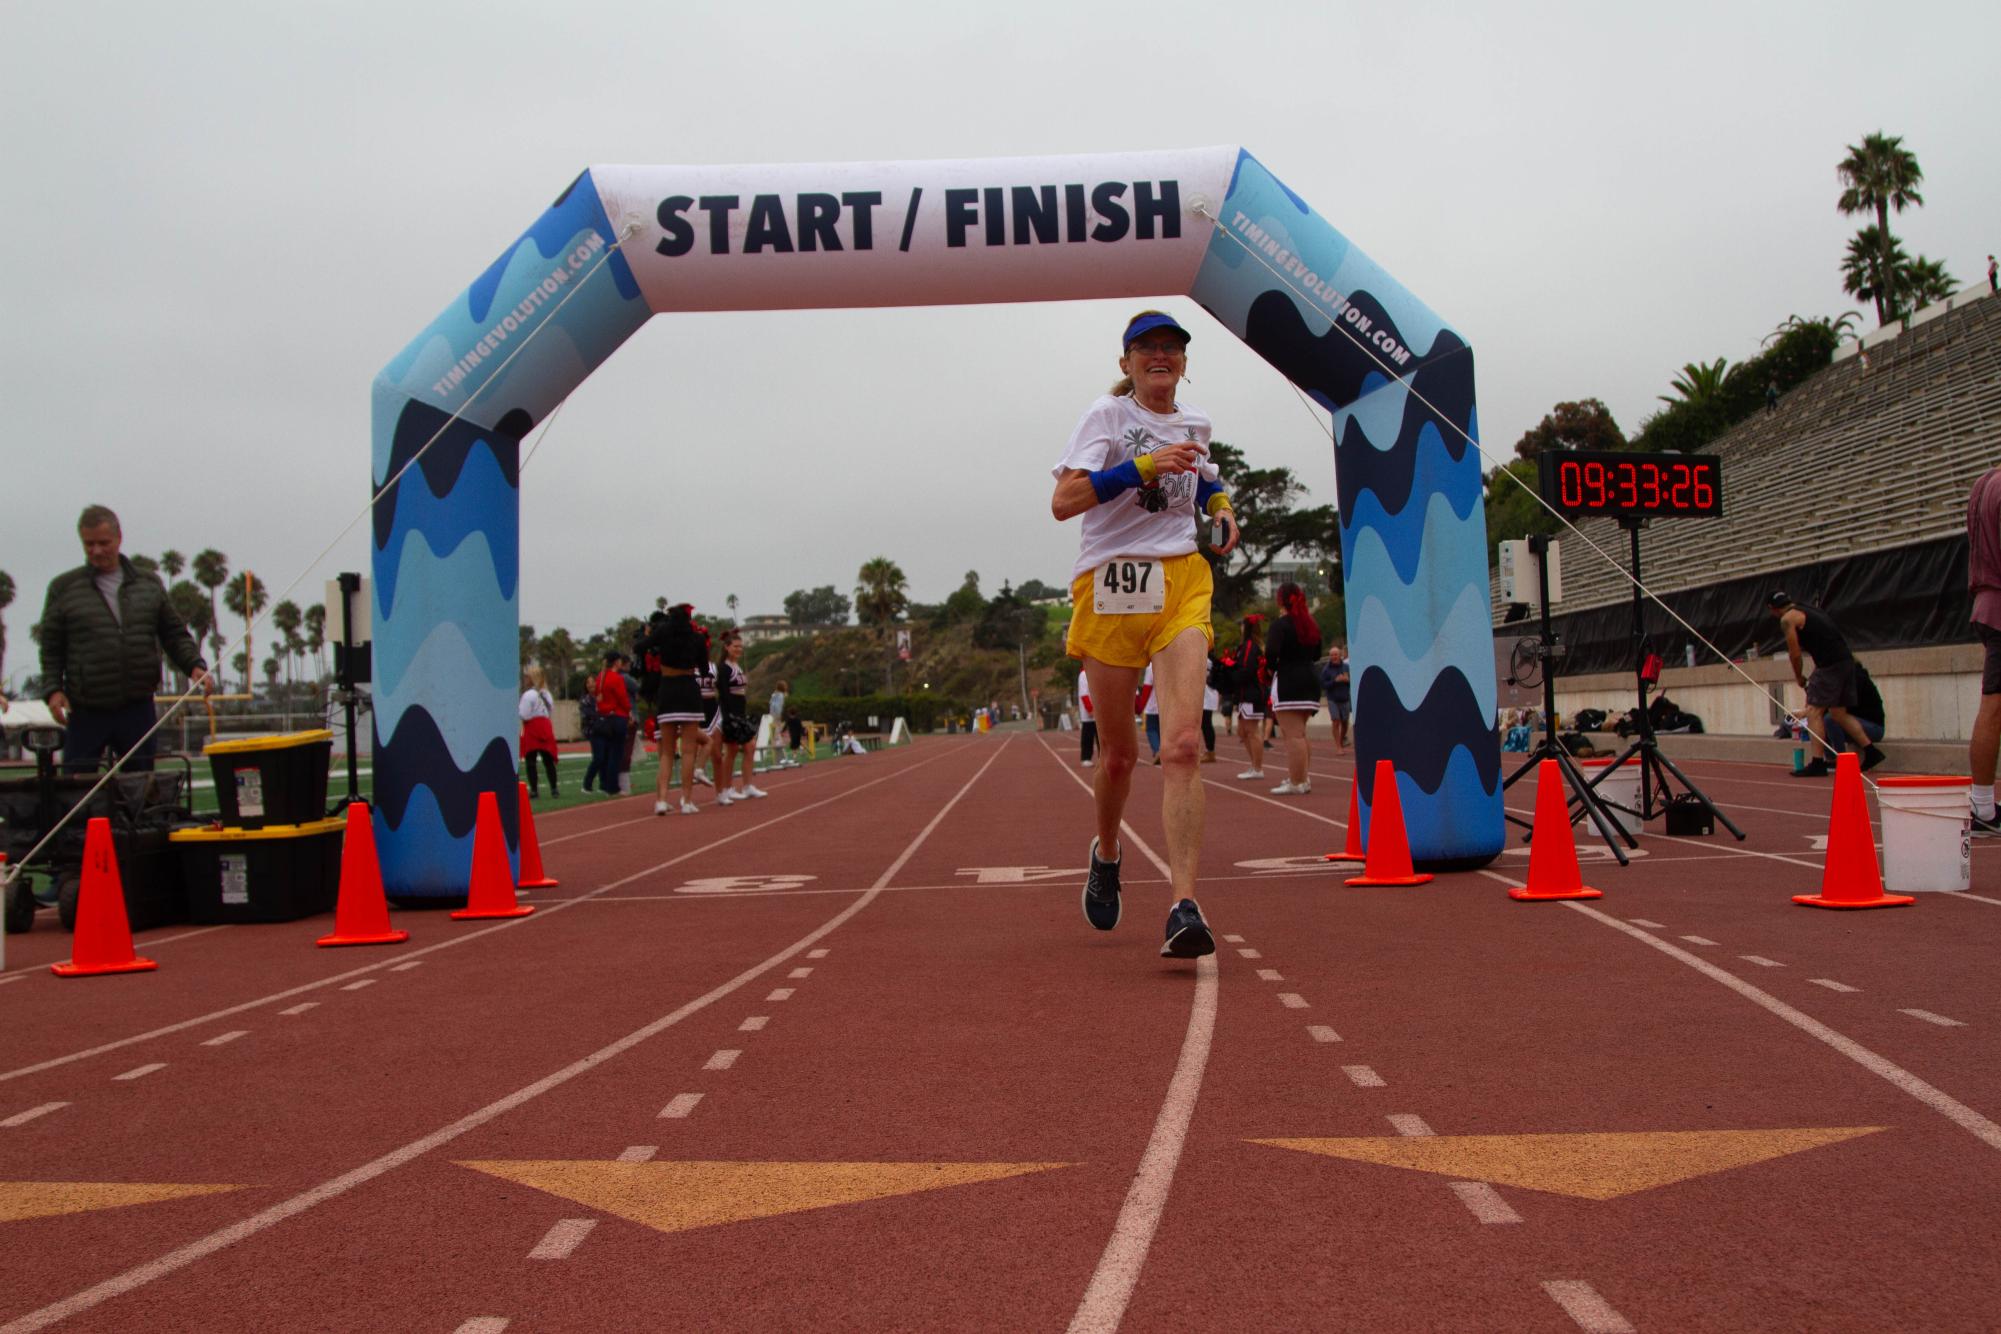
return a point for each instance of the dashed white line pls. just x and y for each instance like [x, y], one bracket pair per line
[1485, 1202]
[1292, 1000]
[1364, 1077]
[22, 1118]
[1581, 1302]
[800, 972]
[1931, 1018]
[639, 1153]
[783, 993]
[1270, 975]
[752, 1024]
[722, 1060]
[1641, 921]
[300, 1009]
[564, 1237]
[1761, 961]
[1233, 940]
[406, 967]
[1322, 1033]
[1250, 954]
[142, 1071]
[11, 977]
[1698, 940]
[816, 954]
[356, 986]
[483, 1324]
[221, 1038]
[1831, 984]
[682, 1104]
[1406, 1123]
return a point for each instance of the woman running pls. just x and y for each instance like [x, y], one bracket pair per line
[1292, 648]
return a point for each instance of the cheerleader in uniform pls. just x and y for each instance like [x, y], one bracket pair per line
[1292, 648]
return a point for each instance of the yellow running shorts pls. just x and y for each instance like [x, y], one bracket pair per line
[1131, 641]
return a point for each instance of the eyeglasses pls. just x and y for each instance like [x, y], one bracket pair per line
[1159, 347]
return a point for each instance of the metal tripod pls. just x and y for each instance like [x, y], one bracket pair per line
[1582, 794]
[1656, 794]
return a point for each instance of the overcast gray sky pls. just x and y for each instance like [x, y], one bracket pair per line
[226, 218]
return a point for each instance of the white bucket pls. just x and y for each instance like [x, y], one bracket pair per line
[1927, 838]
[1621, 785]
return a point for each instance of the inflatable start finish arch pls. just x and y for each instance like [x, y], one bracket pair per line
[624, 243]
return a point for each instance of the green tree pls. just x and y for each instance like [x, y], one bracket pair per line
[881, 592]
[1032, 590]
[287, 618]
[1266, 501]
[145, 564]
[1513, 506]
[316, 637]
[1700, 382]
[1863, 275]
[172, 563]
[245, 596]
[527, 633]
[1583, 424]
[1925, 281]
[730, 602]
[966, 603]
[1880, 176]
[825, 605]
[557, 652]
[192, 604]
[211, 571]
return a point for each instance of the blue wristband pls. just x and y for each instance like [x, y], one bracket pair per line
[1109, 482]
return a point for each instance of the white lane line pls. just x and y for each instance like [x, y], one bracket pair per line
[1581, 1302]
[483, 1324]
[202, 1247]
[816, 954]
[1485, 1202]
[1292, 1000]
[22, 1118]
[1975, 897]
[1698, 940]
[1112, 1282]
[723, 1060]
[752, 1024]
[1407, 1123]
[140, 1072]
[1951, 1108]
[185, 935]
[782, 994]
[547, 912]
[1322, 1033]
[1270, 975]
[1249, 954]
[800, 972]
[365, 982]
[1364, 1077]
[564, 1237]
[1931, 1018]
[406, 967]
[679, 1108]
[639, 1153]
[301, 1009]
[222, 1038]
[1233, 940]
[1641, 921]
[1831, 984]
[1761, 961]
[11, 977]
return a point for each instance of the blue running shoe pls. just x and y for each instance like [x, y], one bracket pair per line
[1188, 936]
[1101, 891]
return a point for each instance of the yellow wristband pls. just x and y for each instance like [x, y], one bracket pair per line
[1220, 501]
[1147, 469]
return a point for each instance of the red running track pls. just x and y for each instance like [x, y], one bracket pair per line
[850, 1058]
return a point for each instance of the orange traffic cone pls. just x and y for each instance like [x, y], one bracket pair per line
[1553, 872]
[1852, 877]
[491, 893]
[1352, 852]
[361, 913]
[1389, 846]
[103, 939]
[532, 874]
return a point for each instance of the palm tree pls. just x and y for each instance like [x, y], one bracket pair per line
[211, 571]
[145, 564]
[316, 637]
[6, 599]
[881, 592]
[172, 563]
[1880, 175]
[1926, 281]
[245, 597]
[1862, 273]
[1699, 382]
[287, 617]
[557, 652]
[730, 602]
[193, 608]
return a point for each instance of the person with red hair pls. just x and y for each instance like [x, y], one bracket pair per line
[1292, 647]
[1252, 682]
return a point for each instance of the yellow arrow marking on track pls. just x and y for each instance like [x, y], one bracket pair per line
[1588, 1166]
[47, 1199]
[676, 1196]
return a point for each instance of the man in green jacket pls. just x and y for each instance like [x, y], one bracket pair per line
[103, 629]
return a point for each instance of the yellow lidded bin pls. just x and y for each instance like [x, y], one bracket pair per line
[268, 780]
[278, 873]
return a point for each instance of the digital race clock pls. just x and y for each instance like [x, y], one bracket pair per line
[1622, 485]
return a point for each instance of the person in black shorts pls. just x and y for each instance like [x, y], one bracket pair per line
[1252, 683]
[1293, 646]
[677, 649]
[1831, 690]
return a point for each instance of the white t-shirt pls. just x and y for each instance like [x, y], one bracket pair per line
[1084, 697]
[534, 704]
[1157, 520]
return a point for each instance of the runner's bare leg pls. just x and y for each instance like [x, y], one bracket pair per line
[1112, 692]
[1179, 672]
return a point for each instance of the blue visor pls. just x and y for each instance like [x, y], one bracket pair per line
[1146, 324]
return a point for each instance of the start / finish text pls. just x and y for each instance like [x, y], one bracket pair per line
[991, 215]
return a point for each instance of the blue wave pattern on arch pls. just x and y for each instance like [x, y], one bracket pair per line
[446, 537]
[1413, 533]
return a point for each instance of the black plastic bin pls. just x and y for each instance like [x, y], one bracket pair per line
[278, 873]
[271, 780]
